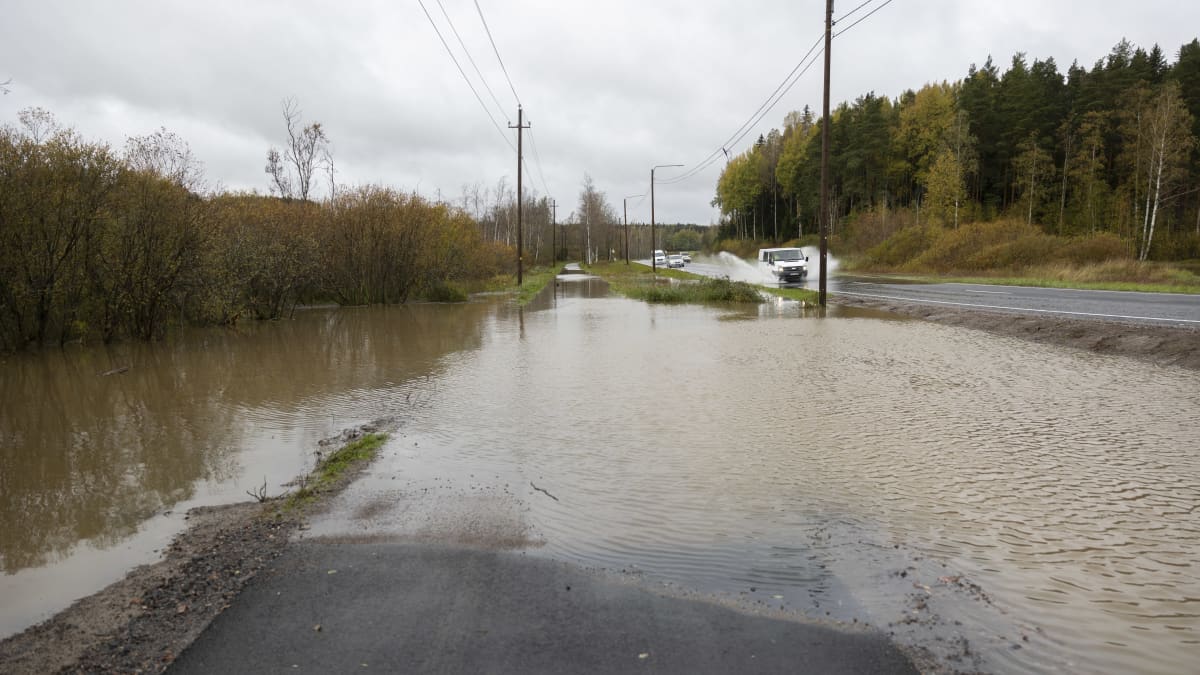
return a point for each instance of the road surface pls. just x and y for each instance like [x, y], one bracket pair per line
[394, 607]
[1159, 309]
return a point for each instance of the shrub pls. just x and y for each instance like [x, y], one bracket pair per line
[902, 248]
[1095, 249]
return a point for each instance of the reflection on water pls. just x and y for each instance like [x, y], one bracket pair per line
[1013, 506]
[88, 459]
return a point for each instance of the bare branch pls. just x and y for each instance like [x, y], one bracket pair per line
[306, 152]
[280, 182]
[165, 154]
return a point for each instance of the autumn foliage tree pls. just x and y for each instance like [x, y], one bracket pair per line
[1107, 150]
[97, 245]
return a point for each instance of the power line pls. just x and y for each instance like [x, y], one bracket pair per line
[774, 98]
[842, 17]
[864, 18]
[502, 68]
[767, 105]
[465, 78]
[537, 160]
[466, 51]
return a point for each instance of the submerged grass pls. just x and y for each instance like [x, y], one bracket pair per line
[801, 294]
[533, 280]
[331, 469]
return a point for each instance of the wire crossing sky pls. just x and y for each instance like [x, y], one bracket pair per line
[614, 88]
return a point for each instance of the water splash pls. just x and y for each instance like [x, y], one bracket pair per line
[738, 269]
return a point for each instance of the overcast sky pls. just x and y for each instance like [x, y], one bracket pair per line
[612, 88]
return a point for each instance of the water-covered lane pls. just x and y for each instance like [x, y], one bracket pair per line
[1028, 506]
[1011, 505]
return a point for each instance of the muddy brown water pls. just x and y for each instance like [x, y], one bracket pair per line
[1009, 506]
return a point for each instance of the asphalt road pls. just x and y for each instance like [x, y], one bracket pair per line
[392, 607]
[1161, 309]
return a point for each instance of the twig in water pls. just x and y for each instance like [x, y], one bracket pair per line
[259, 494]
[542, 491]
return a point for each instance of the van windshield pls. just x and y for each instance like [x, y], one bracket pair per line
[793, 254]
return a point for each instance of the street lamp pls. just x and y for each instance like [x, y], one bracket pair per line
[653, 240]
[626, 202]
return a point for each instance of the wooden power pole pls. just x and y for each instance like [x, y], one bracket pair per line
[520, 200]
[553, 230]
[825, 155]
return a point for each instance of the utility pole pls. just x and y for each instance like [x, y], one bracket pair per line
[520, 199]
[553, 230]
[653, 240]
[825, 154]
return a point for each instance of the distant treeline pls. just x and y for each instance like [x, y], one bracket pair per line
[1108, 150]
[97, 245]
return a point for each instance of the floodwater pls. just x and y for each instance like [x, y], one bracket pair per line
[1008, 506]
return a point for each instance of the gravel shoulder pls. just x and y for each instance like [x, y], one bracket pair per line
[1158, 345]
[141, 623]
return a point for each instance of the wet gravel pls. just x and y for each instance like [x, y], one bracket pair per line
[140, 624]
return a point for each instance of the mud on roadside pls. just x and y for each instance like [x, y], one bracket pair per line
[141, 623]
[1158, 345]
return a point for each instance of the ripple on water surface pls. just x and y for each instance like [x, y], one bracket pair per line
[906, 474]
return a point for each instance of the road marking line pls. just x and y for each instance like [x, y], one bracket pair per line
[1021, 309]
[1062, 288]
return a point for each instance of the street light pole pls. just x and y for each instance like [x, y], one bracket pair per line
[653, 239]
[626, 202]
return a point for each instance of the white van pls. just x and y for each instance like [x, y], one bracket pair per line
[786, 264]
[660, 257]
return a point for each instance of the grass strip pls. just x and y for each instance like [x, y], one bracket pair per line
[331, 469]
[533, 282]
[642, 283]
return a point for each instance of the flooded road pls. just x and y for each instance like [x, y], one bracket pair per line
[1009, 506]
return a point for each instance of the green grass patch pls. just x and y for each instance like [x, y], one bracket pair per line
[533, 282]
[703, 291]
[330, 469]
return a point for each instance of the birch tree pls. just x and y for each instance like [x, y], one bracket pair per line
[306, 152]
[1031, 169]
[1168, 142]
